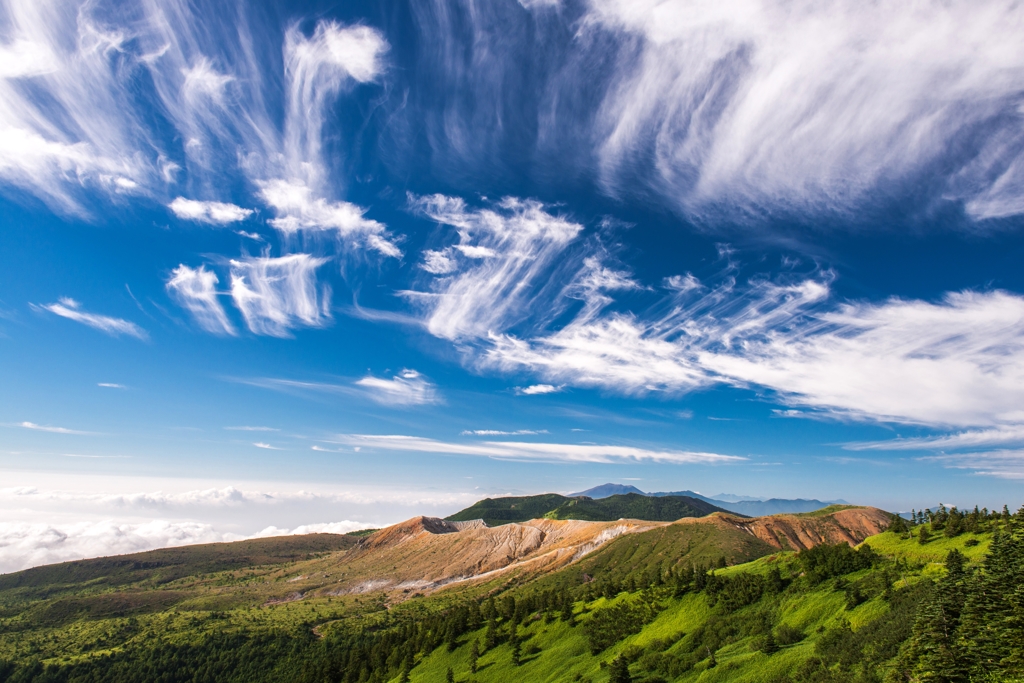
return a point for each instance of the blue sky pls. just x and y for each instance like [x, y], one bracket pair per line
[331, 265]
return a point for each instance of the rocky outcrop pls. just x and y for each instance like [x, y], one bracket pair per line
[799, 532]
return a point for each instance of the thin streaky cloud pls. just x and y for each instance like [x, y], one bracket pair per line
[552, 452]
[111, 385]
[740, 108]
[970, 439]
[48, 428]
[496, 432]
[266, 446]
[407, 388]
[1001, 464]
[72, 310]
[252, 429]
[538, 390]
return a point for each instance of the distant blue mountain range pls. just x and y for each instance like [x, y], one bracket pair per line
[744, 505]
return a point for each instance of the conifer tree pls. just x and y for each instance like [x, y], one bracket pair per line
[934, 645]
[770, 646]
[474, 655]
[513, 640]
[620, 671]
[491, 635]
[450, 676]
[993, 620]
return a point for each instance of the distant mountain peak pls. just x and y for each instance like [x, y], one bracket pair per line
[606, 490]
[744, 505]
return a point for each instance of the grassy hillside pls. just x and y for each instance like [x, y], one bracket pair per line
[168, 564]
[687, 602]
[496, 511]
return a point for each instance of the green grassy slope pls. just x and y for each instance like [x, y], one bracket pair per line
[497, 511]
[167, 564]
[813, 623]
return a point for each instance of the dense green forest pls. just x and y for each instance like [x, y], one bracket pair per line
[496, 511]
[938, 599]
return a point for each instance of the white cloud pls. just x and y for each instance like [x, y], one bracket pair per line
[252, 429]
[497, 432]
[266, 446]
[202, 80]
[75, 116]
[63, 129]
[45, 522]
[24, 545]
[765, 103]
[24, 58]
[317, 67]
[970, 439]
[1002, 464]
[408, 388]
[195, 289]
[275, 295]
[298, 209]
[438, 262]
[742, 107]
[46, 428]
[538, 389]
[958, 361]
[511, 251]
[216, 213]
[28, 545]
[514, 450]
[111, 385]
[72, 310]
[320, 528]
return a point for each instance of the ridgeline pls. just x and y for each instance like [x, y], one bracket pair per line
[496, 511]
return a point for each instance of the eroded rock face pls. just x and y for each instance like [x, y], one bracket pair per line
[796, 532]
[424, 554]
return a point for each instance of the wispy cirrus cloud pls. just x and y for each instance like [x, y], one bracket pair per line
[1001, 464]
[743, 107]
[252, 429]
[970, 439]
[195, 289]
[77, 117]
[67, 307]
[957, 361]
[276, 295]
[515, 246]
[407, 388]
[111, 385]
[49, 428]
[214, 213]
[552, 452]
[498, 432]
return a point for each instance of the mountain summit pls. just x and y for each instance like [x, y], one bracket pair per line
[605, 490]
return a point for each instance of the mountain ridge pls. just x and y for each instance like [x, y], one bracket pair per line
[744, 505]
[497, 511]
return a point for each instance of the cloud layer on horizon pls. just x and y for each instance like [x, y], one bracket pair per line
[46, 525]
